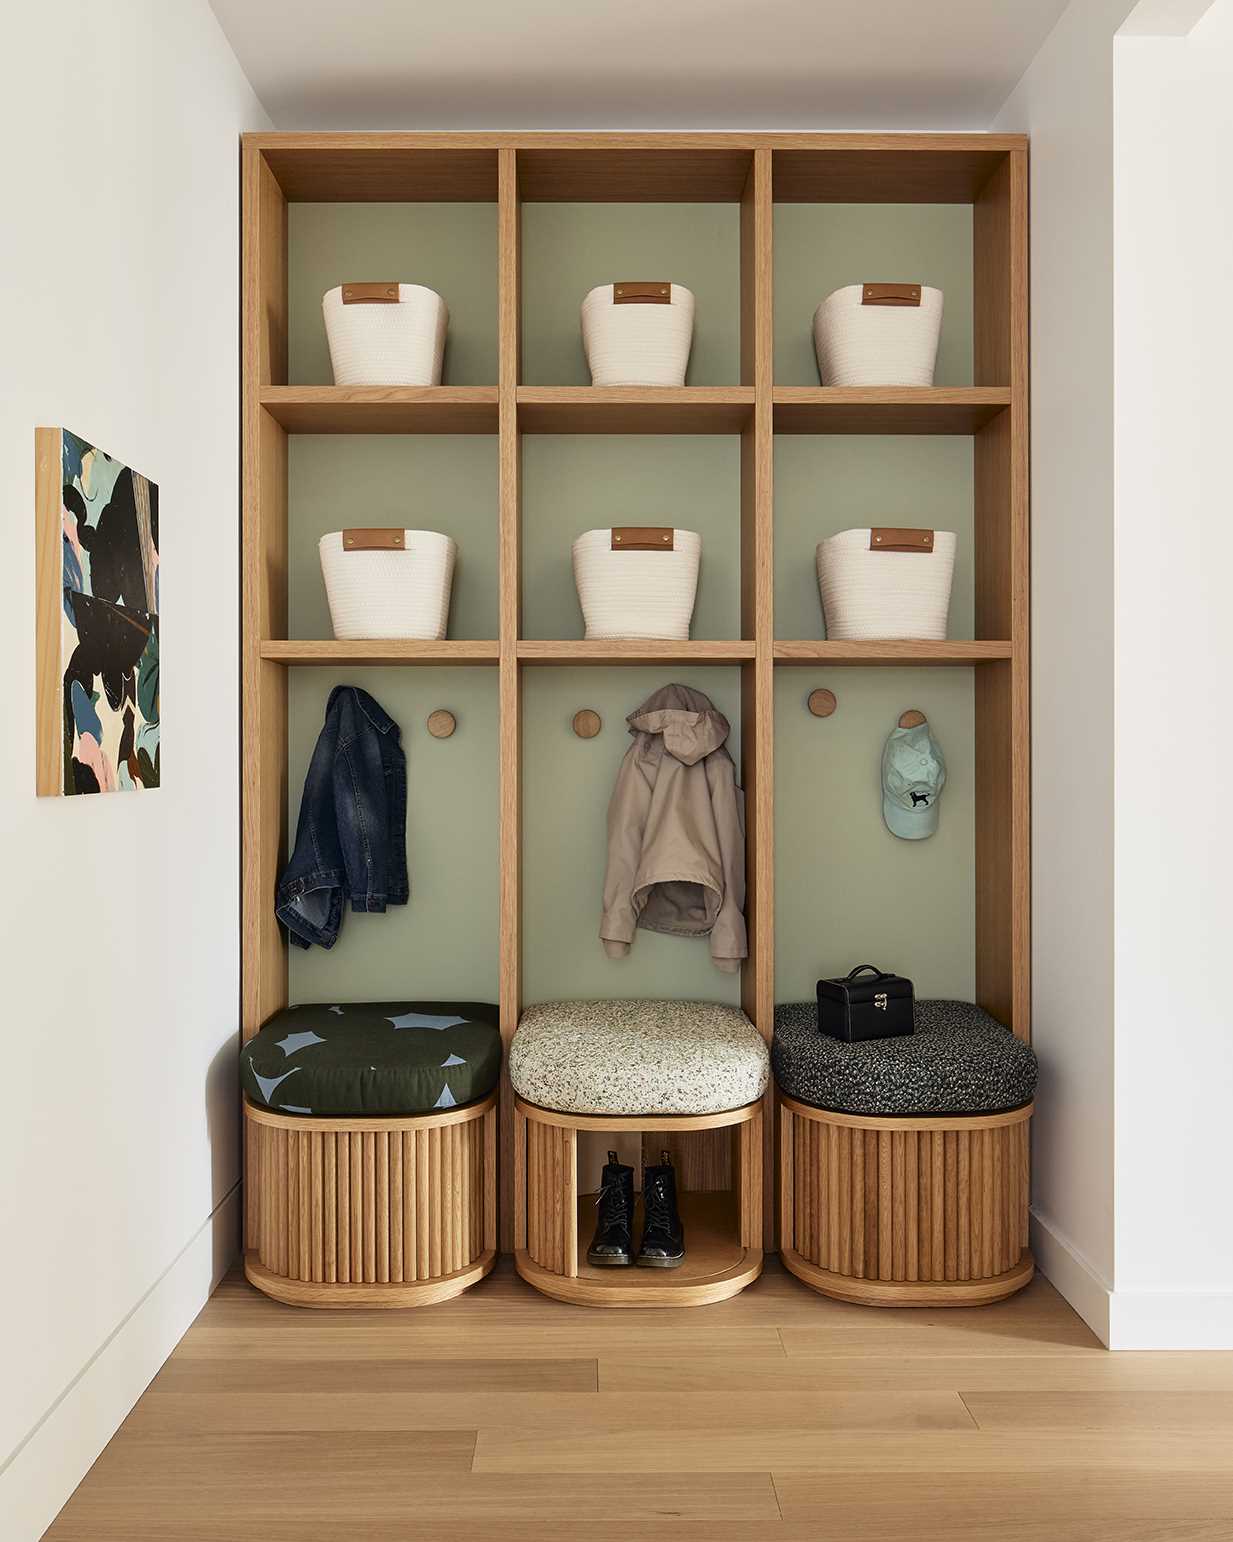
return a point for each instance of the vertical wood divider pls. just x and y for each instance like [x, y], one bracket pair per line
[1003, 898]
[263, 579]
[509, 307]
[757, 622]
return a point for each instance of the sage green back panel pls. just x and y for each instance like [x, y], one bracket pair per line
[825, 483]
[444, 943]
[569, 248]
[820, 247]
[449, 247]
[847, 891]
[445, 482]
[567, 782]
[572, 483]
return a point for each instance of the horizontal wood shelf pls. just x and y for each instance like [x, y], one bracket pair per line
[385, 650]
[383, 409]
[886, 409]
[635, 651]
[380, 650]
[905, 651]
[406, 167]
[634, 409]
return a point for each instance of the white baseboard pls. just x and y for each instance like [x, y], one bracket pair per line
[1171, 1319]
[51, 1461]
[1132, 1319]
[1073, 1275]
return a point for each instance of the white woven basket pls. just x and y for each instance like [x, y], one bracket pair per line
[636, 334]
[883, 583]
[388, 583]
[385, 334]
[864, 336]
[635, 581]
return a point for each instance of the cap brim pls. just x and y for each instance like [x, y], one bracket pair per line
[909, 824]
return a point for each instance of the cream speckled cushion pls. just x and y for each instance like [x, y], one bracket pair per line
[637, 1057]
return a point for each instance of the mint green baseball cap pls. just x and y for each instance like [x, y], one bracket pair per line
[913, 775]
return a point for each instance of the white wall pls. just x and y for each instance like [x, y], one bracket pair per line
[1064, 102]
[1173, 118]
[118, 1142]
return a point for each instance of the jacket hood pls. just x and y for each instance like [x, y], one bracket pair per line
[691, 727]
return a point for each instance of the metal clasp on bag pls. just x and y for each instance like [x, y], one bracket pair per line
[879, 1001]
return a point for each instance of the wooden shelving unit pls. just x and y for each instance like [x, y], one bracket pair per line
[754, 172]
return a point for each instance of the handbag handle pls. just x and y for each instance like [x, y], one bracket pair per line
[860, 969]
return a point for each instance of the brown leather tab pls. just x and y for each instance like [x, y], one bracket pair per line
[370, 294]
[642, 538]
[894, 538]
[890, 294]
[374, 540]
[641, 294]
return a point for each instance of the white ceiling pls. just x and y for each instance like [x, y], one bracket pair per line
[510, 64]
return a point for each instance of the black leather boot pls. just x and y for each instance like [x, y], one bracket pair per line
[663, 1236]
[613, 1243]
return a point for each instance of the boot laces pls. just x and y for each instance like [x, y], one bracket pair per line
[658, 1210]
[611, 1203]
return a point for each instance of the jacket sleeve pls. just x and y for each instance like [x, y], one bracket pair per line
[729, 941]
[361, 809]
[627, 815]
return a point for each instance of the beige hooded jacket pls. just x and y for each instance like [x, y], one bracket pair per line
[676, 831]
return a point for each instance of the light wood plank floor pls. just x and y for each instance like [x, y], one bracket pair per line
[777, 1416]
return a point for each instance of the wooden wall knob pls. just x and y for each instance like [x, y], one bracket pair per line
[587, 723]
[441, 723]
[912, 718]
[822, 702]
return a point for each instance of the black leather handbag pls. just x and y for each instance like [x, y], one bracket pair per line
[866, 1004]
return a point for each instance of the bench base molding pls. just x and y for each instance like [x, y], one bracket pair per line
[370, 1212]
[905, 1211]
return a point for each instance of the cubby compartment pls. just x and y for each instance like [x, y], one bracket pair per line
[569, 248]
[449, 247]
[442, 482]
[444, 943]
[847, 891]
[825, 483]
[718, 1161]
[567, 782]
[573, 483]
[819, 247]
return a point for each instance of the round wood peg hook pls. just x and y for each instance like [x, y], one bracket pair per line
[912, 718]
[822, 702]
[587, 723]
[441, 723]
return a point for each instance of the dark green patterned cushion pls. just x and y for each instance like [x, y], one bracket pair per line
[959, 1061]
[373, 1057]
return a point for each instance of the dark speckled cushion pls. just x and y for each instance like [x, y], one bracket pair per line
[373, 1057]
[959, 1061]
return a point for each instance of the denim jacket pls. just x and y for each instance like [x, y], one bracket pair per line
[351, 838]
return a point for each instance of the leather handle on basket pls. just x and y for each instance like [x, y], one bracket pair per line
[890, 294]
[370, 294]
[642, 538]
[896, 538]
[860, 969]
[374, 540]
[642, 294]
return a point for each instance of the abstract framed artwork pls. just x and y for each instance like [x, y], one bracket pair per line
[96, 620]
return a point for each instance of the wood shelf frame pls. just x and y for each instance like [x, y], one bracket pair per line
[887, 409]
[383, 409]
[753, 171]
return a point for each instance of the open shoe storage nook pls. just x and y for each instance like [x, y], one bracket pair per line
[514, 456]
